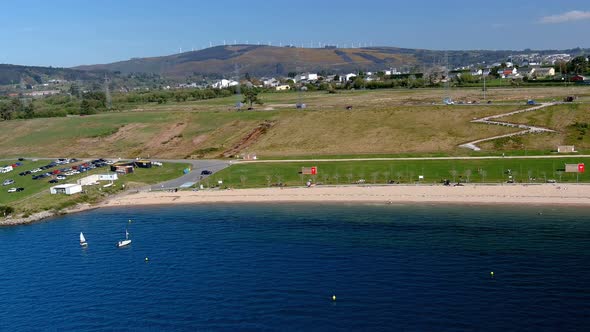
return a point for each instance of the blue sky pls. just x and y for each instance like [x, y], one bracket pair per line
[69, 33]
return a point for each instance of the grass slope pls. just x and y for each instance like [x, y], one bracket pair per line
[398, 121]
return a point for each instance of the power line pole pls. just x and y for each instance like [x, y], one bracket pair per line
[107, 92]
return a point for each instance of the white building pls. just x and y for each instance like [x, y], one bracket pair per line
[478, 72]
[271, 83]
[224, 84]
[68, 189]
[308, 77]
[283, 87]
[347, 77]
[566, 149]
[94, 179]
[392, 71]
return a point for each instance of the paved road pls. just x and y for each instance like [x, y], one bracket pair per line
[410, 158]
[194, 176]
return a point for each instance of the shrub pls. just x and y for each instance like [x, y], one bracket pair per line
[6, 210]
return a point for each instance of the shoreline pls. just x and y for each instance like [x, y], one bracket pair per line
[543, 194]
[469, 194]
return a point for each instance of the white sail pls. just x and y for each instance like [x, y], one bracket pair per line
[83, 240]
[126, 234]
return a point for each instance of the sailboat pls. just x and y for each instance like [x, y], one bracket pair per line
[125, 242]
[83, 242]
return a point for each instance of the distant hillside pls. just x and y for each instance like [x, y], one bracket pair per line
[271, 60]
[13, 74]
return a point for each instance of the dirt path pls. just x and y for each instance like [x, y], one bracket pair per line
[489, 120]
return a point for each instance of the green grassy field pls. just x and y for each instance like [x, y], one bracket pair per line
[379, 172]
[36, 196]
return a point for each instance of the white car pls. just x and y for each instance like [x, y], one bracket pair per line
[61, 177]
[7, 182]
[12, 190]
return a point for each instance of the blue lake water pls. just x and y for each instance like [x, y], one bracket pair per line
[276, 267]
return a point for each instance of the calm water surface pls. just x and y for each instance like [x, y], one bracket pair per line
[261, 267]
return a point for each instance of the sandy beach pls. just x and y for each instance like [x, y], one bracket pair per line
[552, 194]
[514, 194]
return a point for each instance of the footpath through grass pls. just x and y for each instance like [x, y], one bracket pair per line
[380, 172]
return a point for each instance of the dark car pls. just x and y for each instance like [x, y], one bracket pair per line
[22, 173]
[206, 172]
[20, 189]
[21, 159]
[53, 181]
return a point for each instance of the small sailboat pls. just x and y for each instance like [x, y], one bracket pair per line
[125, 242]
[83, 242]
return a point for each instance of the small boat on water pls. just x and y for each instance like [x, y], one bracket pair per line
[125, 242]
[83, 242]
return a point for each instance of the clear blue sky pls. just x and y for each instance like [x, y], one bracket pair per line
[69, 33]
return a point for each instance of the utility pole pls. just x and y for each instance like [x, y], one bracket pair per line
[484, 85]
[107, 92]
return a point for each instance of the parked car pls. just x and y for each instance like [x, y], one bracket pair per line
[7, 182]
[53, 181]
[60, 177]
[12, 190]
[20, 189]
[206, 172]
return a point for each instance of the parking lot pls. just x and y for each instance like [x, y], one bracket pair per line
[24, 177]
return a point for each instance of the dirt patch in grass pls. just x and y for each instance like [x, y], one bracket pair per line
[168, 137]
[249, 139]
[198, 140]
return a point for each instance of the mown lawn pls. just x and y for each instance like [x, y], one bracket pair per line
[378, 172]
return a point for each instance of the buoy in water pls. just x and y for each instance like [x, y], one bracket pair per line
[146, 259]
[492, 274]
[333, 297]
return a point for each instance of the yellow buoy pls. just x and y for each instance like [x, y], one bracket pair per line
[492, 273]
[333, 297]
